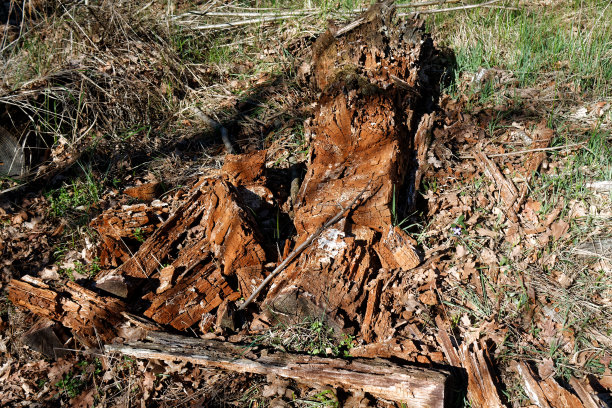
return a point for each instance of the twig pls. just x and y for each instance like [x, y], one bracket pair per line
[277, 13]
[216, 126]
[426, 3]
[297, 251]
[240, 23]
[349, 27]
[433, 11]
[519, 152]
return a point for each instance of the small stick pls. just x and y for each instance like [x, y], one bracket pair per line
[432, 11]
[243, 22]
[216, 126]
[519, 152]
[302, 247]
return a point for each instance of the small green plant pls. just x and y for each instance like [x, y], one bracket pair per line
[76, 197]
[90, 270]
[139, 235]
[71, 384]
[325, 398]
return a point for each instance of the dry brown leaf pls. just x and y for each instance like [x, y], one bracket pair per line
[559, 229]
[428, 298]
[546, 368]
[58, 369]
[85, 399]
[148, 382]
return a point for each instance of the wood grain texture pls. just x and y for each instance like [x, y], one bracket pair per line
[413, 386]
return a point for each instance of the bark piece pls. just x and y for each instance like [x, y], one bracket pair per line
[43, 338]
[532, 386]
[92, 317]
[587, 399]
[413, 386]
[396, 250]
[557, 396]
[144, 192]
[123, 228]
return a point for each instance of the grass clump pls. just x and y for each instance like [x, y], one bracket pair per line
[569, 45]
[313, 336]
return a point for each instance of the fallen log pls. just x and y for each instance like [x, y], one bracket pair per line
[413, 386]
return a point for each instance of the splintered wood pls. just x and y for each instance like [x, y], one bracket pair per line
[92, 317]
[208, 242]
[416, 387]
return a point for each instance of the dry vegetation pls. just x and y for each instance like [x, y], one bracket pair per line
[106, 95]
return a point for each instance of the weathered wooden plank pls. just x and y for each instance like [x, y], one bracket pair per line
[413, 386]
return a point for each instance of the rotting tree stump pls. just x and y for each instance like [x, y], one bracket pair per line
[369, 134]
[369, 131]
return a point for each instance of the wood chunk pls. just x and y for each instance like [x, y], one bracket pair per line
[144, 192]
[396, 250]
[371, 308]
[183, 305]
[559, 397]
[246, 169]
[92, 318]
[166, 276]
[122, 228]
[482, 390]
[211, 220]
[209, 239]
[43, 338]
[413, 386]
[587, 399]
[330, 276]
[532, 386]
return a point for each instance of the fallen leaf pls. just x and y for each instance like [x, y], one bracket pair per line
[546, 368]
[559, 229]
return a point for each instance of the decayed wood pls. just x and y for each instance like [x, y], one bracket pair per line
[369, 128]
[208, 242]
[122, 228]
[482, 391]
[92, 317]
[365, 121]
[297, 251]
[414, 386]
